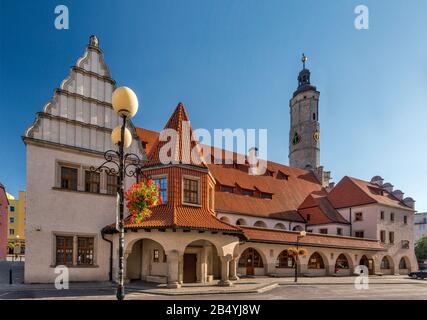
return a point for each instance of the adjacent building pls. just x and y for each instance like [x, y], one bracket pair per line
[217, 221]
[420, 225]
[4, 203]
[16, 224]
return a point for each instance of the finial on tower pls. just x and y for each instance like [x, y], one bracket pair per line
[304, 60]
[93, 41]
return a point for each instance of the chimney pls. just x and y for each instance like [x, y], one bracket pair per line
[408, 201]
[398, 194]
[377, 180]
[388, 187]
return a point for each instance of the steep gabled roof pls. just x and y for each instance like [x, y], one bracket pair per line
[182, 147]
[321, 211]
[351, 192]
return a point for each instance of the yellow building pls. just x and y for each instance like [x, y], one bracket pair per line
[16, 224]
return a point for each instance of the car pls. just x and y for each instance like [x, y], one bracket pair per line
[422, 274]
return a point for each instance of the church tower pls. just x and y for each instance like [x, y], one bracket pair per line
[304, 135]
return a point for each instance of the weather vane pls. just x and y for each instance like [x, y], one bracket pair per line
[304, 59]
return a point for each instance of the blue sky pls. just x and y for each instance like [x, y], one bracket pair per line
[234, 64]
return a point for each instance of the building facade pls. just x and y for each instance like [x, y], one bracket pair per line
[16, 224]
[216, 221]
[4, 203]
[420, 225]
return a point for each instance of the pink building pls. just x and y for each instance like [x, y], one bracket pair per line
[4, 203]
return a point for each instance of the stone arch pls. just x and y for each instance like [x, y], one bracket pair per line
[387, 265]
[404, 265]
[200, 262]
[225, 219]
[146, 260]
[343, 264]
[241, 222]
[317, 263]
[297, 228]
[260, 224]
[284, 260]
[252, 261]
[369, 262]
[280, 225]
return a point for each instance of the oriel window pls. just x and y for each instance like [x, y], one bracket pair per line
[69, 178]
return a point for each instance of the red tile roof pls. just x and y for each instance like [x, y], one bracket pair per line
[147, 137]
[181, 152]
[321, 211]
[311, 239]
[351, 192]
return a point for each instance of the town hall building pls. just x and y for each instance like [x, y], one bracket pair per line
[217, 222]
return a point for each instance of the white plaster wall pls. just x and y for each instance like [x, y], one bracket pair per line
[332, 228]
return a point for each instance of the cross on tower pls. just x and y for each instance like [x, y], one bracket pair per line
[304, 59]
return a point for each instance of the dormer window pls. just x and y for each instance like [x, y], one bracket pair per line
[226, 189]
[266, 195]
[247, 192]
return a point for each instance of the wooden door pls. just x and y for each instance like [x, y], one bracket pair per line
[190, 265]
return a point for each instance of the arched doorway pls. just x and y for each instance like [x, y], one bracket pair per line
[342, 265]
[387, 265]
[250, 260]
[368, 263]
[404, 265]
[316, 261]
[147, 261]
[200, 262]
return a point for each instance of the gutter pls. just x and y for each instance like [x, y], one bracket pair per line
[110, 273]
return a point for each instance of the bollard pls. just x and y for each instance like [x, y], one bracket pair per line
[10, 276]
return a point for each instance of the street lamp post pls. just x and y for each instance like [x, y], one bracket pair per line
[125, 104]
[299, 236]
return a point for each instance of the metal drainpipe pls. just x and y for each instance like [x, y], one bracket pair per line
[110, 274]
[351, 225]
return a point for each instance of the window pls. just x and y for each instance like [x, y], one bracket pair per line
[250, 258]
[382, 236]
[359, 234]
[227, 189]
[310, 231]
[211, 195]
[382, 215]
[64, 251]
[68, 178]
[241, 222]
[155, 255]
[248, 193]
[339, 231]
[11, 232]
[391, 237]
[385, 263]
[392, 216]
[323, 231]
[315, 262]
[284, 260]
[314, 116]
[405, 219]
[163, 188]
[112, 183]
[11, 220]
[191, 191]
[358, 216]
[266, 195]
[12, 209]
[92, 181]
[85, 250]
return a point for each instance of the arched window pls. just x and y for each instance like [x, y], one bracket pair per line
[260, 224]
[315, 262]
[241, 222]
[402, 264]
[284, 260]
[250, 258]
[342, 262]
[297, 228]
[280, 226]
[385, 263]
[225, 219]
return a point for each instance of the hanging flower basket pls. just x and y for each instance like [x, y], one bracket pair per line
[296, 252]
[140, 198]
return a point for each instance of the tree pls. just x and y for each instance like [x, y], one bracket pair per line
[421, 249]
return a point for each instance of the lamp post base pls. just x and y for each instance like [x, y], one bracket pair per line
[120, 294]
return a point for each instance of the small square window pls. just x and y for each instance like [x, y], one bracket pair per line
[12, 209]
[358, 216]
[323, 231]
[155, 255]
[11, 220]
[339, 231]
[359, 234]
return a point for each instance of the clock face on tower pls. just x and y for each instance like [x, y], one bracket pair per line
[316, 136]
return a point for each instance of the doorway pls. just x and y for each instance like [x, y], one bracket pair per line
[250, 259]
[369, 263]
[190, 266]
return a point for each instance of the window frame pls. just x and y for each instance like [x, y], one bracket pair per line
[65, 247]
[391, 237]
[91, 181]
[166, 190]
[359, 231]
[358, 216]
[156, 255]
[86, 249]
[199, 198]
[61, 177]
[109, 185]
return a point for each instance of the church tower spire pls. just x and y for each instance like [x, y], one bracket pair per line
[304, 135]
